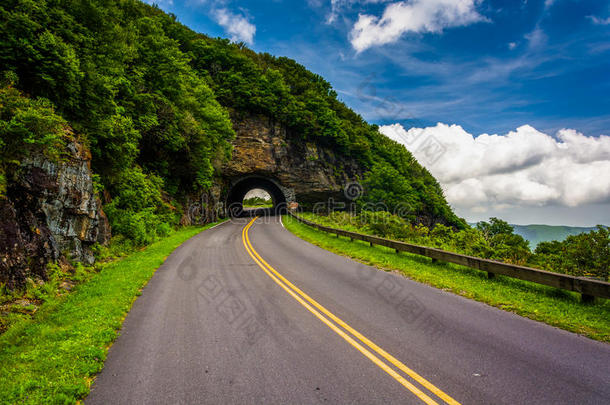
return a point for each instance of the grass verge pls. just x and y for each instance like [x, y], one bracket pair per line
[555, 307]
[52, 357]
[258, 205]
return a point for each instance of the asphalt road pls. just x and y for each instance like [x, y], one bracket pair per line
[218, 325]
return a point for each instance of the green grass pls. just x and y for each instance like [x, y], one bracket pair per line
[555, 307]
[261, 205]
[53, 357]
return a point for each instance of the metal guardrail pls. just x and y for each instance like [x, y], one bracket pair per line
[588, 288]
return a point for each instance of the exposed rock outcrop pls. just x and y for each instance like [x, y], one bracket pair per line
[308, 172]
[50, 211]
[305, 172]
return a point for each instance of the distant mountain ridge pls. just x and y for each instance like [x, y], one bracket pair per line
[543, 233]
[536, 233]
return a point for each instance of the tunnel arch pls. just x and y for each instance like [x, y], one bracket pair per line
[240, 188]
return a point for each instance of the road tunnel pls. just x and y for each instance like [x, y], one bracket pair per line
[241, 187]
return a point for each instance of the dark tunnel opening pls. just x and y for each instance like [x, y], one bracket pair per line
[237, 193]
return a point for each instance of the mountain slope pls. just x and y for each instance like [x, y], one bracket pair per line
[152, 100]
[545, 233]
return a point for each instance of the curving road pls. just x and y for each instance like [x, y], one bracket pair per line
[249, 313]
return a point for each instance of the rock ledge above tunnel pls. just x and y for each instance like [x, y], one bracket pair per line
[306, 173]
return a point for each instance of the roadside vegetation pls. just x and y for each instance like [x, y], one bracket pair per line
[555, 307]
[55, 352]
[585, 254]
[24, 302]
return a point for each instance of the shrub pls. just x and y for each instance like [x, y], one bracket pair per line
[585, 254]
[28, 124]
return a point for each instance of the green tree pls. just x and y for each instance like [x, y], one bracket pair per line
[28, 124]
[585, 254]
[504, 244]
[494, 227]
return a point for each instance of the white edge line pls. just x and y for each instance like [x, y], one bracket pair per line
[223, 222]
[281, 223]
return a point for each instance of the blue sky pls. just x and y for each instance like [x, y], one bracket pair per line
[486, 66]
[555, 75]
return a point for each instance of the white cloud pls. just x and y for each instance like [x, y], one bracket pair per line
[512, 45]
[418, 16]
[536, 39]
[599, 21]
[338, 6]
[524, 168]
[235, 25]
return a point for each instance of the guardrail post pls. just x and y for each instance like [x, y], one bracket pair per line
[491, 275]
[397, 251]
[371, 243]
[587, 299]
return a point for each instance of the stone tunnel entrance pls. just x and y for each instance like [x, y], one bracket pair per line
[239, 189]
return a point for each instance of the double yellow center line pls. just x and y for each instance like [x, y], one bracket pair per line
[357, 340]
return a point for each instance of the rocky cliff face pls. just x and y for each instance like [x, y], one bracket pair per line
[51, 211]
[308, 172]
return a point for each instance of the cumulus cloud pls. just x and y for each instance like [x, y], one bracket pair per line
[524, 168]
[418, 16]
[235, 25]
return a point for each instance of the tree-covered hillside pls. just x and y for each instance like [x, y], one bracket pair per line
[152, 99]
